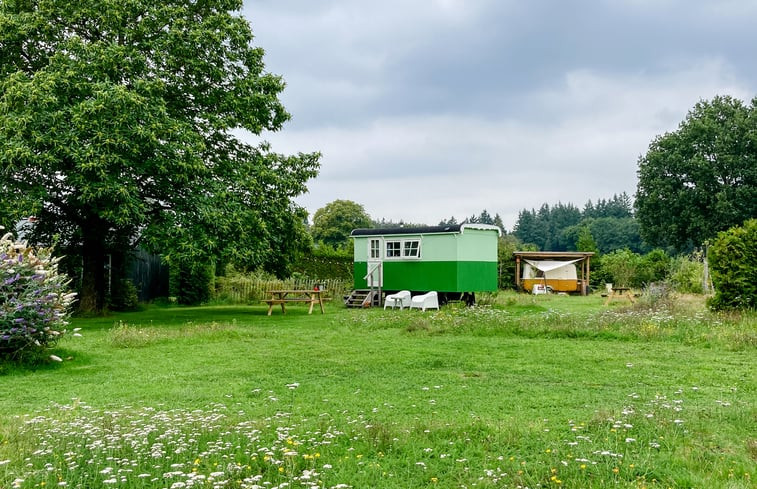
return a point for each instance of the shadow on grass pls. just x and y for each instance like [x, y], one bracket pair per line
[41, 361]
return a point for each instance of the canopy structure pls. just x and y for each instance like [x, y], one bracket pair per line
[553, 269]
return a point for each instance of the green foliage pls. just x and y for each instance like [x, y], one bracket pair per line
[687, 274]
[557, 228]
[622, 268]
[733, 264]
[118, 123]
[191, 283]
[34, 300]
[506, 245]
[654, 267]
[585, 241]
[333, 223]
[324, 262]
[123, 296]
[702, 178]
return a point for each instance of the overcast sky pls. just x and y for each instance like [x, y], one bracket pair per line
[426, 109]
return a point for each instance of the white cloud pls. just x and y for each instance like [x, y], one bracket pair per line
[424, 110]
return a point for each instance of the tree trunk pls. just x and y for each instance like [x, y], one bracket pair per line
[93, 286]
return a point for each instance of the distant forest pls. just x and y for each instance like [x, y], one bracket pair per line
[603, 226]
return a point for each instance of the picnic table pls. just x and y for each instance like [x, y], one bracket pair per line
[619, 293]
[282, 297]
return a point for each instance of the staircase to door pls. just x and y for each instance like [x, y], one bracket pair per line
[360, 298]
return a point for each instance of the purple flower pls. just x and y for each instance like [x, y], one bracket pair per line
[12, 279]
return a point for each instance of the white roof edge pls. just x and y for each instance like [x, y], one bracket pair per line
[484, 227]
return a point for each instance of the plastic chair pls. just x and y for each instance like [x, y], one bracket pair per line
[429, 300]
[401, 298]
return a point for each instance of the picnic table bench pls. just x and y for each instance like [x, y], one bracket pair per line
[620, 293]
[282, 297]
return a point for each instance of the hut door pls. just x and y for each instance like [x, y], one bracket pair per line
[375, 276]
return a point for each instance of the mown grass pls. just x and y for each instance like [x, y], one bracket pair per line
[544, 391]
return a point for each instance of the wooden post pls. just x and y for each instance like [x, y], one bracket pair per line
[588, 275]
[517, 272]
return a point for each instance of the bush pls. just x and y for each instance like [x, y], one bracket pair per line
[191, 283]
[687, 274]
[34, 299]
[733, 262]
[622, 268]
[124, 296]
[654, 267]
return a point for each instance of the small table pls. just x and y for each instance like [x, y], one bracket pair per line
[281, 297]
[620, 293]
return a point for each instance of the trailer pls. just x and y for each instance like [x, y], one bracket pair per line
[456, 261]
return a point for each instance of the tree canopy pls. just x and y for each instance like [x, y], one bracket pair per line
[119, 125]
[701, 178]
[333, 223]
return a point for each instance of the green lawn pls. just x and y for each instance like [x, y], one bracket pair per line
[530, 392]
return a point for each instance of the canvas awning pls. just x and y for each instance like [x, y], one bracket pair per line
[549, 265]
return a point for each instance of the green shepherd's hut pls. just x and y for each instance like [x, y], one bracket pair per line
[456, 261]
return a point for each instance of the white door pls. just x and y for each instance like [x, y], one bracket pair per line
[375, 275]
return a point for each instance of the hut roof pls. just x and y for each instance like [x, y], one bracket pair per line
[448, 229]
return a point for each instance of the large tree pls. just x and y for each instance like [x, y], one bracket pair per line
[333, 223]
[120, 123]
[702, 178]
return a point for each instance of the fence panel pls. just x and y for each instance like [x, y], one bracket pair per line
[246, 290]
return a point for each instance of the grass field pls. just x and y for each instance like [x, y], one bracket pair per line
[545, 391]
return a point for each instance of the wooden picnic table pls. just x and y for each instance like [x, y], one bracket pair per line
[282, 297]
[619, 293]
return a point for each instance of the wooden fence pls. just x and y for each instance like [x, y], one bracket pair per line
[246, 290]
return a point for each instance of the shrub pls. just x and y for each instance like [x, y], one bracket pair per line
[34, 299]
[687, 274]
[191, 283]
[124, 296]
[654, 267]
[733, 261]
[622, 267]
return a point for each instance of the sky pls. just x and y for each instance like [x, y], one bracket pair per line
[428, 109]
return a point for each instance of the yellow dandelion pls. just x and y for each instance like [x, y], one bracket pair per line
[583, 466]
[615, 470]
[281, 469]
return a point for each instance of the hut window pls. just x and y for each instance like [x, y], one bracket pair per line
[375, 248]
[393, 249]
[411, 249]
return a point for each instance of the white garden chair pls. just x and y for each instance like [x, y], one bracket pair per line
[429, 300]
[401, 298]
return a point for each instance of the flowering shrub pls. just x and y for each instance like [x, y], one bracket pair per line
[34, 299]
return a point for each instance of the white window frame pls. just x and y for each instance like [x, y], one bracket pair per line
[393, 246]
[374, 253]
[410, 251]
[403, 249]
